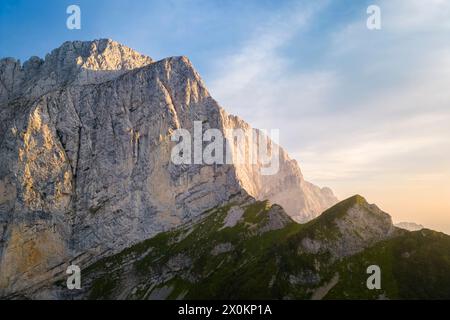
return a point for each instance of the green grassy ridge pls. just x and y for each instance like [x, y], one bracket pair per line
[252, 264]
[252, 251]
[259, 252]
[268, 265]
[324, 227]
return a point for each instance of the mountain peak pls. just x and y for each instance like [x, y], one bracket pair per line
[357, 199]
[354, 220]
[101, 54]
[74, 62]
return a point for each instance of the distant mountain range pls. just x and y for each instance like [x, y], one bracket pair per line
[86, 178]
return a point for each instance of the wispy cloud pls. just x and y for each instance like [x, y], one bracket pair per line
[374, 111]
[251, 80]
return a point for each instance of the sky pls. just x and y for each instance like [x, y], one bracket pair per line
[363, 111]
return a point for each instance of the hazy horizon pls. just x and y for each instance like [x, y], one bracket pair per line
[363, 111]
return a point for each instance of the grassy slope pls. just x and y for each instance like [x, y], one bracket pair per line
[268, 265]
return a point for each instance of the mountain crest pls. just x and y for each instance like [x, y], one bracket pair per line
[356, 223]
[74, 62]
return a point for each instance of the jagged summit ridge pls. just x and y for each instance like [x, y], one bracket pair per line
[74, 62]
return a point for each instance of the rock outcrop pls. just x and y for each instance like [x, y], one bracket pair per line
[85, 170]
[348, 228]
[74, 63]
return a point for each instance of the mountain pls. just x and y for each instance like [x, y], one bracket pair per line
[254, 250]
[410, 226]
[85, 167]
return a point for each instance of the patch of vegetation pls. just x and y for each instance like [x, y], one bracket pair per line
[103, 287]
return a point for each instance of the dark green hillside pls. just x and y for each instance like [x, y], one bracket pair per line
[255, 251]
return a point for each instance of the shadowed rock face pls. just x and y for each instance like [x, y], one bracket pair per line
[85, 165]
[347, 228]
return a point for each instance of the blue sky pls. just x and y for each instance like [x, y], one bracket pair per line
[362, 111]
[199, 29]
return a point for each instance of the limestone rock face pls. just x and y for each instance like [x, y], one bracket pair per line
[85, 158]
[74, 63]
[252, 250]
[301, 199]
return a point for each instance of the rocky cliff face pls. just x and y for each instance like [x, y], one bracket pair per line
[85, 166]
[74, 63]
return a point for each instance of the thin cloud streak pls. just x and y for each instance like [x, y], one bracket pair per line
[374, 113]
